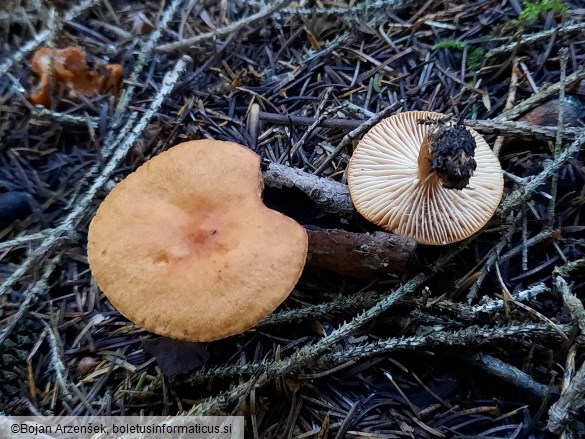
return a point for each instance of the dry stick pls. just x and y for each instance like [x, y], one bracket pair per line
[494, 253]
[573, 304]
[509, 103]
[359, 131]
[360, 255]
[39, 253]
[30, 295]
[346, 303]
[539, 237]
[517, 197]
[525, 238]
[233, 28]
[43, 36]
[568, 375]
[563, 411]
[285, 119]
[353, 11]
[56, 362]
[564, 59]
[341, 303]
[26, 239]
[470, 313]
[565, 270]
[330, 195]
[42, 115]
[569, 371]
[538, 315]
[510, 128]
[539, 97]
[471, 336]
[508, 373]
[573, 395]
[547, 34]
[74, 217]
[519, 129]
[320, 116]
[144, 54]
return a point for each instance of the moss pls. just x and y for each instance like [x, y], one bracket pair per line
[532, 10]
[475, 58]
[449, 44]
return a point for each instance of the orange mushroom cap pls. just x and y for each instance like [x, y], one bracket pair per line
[389, 187]
[185, 248]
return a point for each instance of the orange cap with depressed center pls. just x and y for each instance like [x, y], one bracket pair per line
[185, 248]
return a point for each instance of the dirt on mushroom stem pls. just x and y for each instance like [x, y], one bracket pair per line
[448, 153]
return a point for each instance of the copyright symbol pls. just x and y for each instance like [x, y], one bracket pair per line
[14, 428]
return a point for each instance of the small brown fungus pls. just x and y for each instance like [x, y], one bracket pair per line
[67, 69]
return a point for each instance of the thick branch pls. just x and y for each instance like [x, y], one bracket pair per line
[330, 195]
[361, 255]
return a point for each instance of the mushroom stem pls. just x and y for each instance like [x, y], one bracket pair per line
[425, 170]
[447, 155]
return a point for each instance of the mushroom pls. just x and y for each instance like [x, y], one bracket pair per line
[437, 183]
[68, 67]
[185, 248]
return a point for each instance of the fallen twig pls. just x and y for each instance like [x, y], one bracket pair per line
[341, 303]
[508, 373]
[471, 336]
[330, 195]
[564, 410]
[503, 127]
[488, 305]
[359, 131]
[573, 304]
[233, 28]
[543, 95]
[361, 255]
[564, 59]
[528, 39]
[517, 197]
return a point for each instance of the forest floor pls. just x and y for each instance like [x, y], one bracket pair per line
[481, 338]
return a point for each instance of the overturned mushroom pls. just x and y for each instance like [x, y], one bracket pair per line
[437, 183]
[185, 248]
